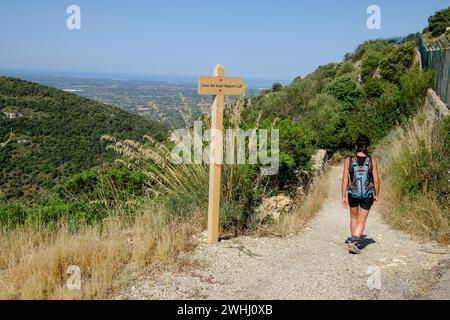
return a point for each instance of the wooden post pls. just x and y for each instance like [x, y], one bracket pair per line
[218, 86]
[215, 167]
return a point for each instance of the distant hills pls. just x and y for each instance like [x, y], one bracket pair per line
[56, 134]
[131, 93]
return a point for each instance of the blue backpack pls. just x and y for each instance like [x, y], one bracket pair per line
[360, 178]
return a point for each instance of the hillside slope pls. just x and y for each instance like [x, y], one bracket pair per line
[55, 134]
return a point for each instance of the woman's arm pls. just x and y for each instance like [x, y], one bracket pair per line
[376, 179]
[345, 184]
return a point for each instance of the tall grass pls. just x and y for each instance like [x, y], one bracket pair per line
[183, 188]
[34, 260]
[414, 161]
[160, 238]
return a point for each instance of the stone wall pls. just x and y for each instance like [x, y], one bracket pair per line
[434, 107]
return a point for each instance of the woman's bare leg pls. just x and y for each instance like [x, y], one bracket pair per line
[361, 222]
[353, 220]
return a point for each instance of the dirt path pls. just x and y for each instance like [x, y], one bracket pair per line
[313, 265]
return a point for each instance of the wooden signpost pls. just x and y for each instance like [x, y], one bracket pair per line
[217, 86]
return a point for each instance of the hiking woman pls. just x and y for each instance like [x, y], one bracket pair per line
[360, 189]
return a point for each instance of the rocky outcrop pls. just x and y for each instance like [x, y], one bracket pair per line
[318, 161]
[434, 107]
[274, 207]
[201, 237]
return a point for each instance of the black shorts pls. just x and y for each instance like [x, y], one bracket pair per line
[365, 203]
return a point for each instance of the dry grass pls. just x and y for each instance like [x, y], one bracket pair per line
[158, 239]
[405, 155]
[305, 208]
[34, 262]
[422, 216]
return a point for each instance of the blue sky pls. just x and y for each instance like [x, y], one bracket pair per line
[273, 40]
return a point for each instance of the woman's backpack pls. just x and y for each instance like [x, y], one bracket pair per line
[360, 178]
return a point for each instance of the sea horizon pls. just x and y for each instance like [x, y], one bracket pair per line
[252, 83]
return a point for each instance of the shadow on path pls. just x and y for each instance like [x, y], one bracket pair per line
[364, 241]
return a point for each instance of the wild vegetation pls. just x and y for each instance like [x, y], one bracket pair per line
[391, 90]
[438, 23]
[57, 134]
[114, 200]
[34, 259]
[415, 159]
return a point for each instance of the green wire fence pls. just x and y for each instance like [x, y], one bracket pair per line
[436, 56]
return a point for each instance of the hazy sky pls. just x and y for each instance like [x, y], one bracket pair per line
[274, 40]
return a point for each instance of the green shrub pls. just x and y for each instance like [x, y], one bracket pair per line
[327, 133]
[75, 213]
[377, 112]
[345, 90]
[277, 87]
[345, 68]
[52, 212]
[438, 22]
[109, 182]
[374, 88]
[296, 148]
[371, 46]
[81, 183]
[369, 65]
[414, 84]
[395, 64]
[11, 214]
[240, 197]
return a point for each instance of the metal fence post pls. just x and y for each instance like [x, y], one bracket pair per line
[436, 56]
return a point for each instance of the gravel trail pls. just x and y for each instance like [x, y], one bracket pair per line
[312, 265]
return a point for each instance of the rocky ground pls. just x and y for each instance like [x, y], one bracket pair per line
[312, 265]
